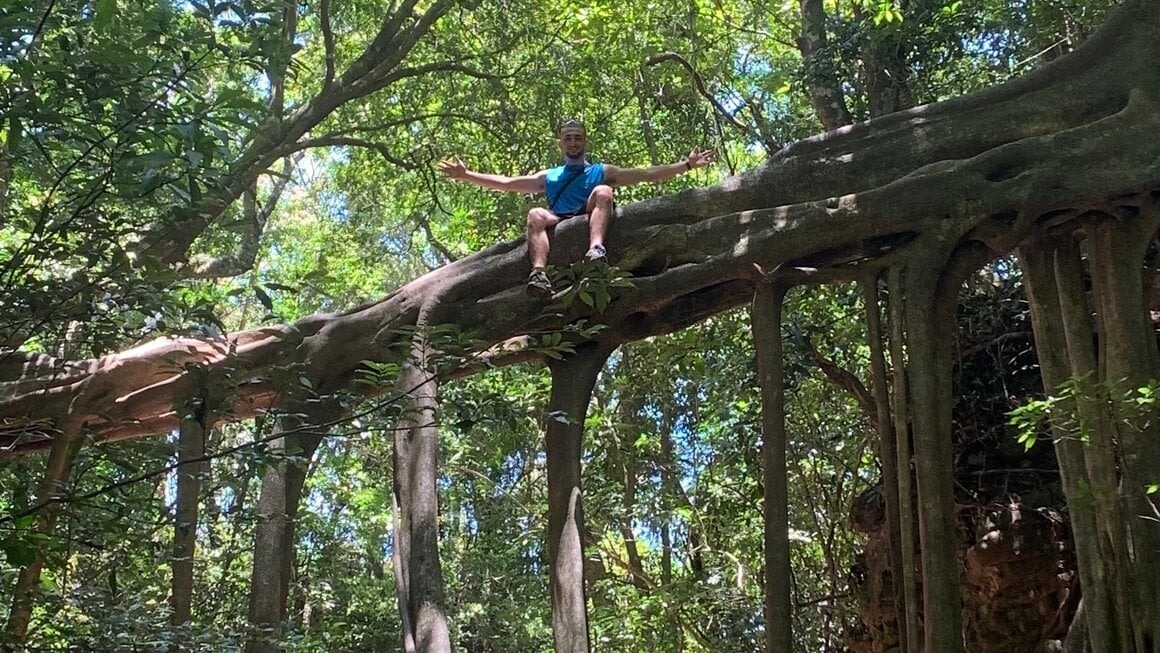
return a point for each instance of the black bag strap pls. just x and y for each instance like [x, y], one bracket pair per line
[567, 182]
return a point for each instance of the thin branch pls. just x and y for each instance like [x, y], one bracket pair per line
[253, 225]
[1023, 336]
[279, 60]
[380, 81]
[425, 225]
[349, 141]
[847, 380]
[328, 43]
[704, 92]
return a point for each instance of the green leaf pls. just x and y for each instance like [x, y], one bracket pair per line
[103, 12]
[19, 552]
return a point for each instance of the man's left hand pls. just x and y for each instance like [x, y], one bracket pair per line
[701, 158]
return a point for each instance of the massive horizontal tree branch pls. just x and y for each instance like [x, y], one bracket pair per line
[980, 172]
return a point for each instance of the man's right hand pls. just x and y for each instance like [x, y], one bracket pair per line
[452, 168]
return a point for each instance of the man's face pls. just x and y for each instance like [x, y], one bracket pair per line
[573, 142]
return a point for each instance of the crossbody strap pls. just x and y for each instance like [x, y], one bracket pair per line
[567, 182]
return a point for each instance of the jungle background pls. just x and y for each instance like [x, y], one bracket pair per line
[118, 115]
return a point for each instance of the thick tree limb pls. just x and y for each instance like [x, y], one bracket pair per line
[979, 171]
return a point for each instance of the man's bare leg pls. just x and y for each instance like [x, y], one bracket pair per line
[540, 220]
[599, 215]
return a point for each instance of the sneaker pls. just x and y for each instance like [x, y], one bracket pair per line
[597, 254]
[539, 285]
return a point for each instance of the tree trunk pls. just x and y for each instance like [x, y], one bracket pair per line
[1129, 360]
[887, 451]
[929, 321]
[572, 381]
[416, 459]
[901, 406]
[765, 319]
[274, 533]
[56, 474]
[622, 466]
[853, 194]
[821, 75]
[190, 470]
[1047, 273]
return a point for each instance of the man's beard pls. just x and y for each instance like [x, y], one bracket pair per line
[574, 160]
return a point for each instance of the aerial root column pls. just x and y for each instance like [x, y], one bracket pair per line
[887, 451]
[765, 317]
[1130, 361]
[1045, 268]
[930, 319]
[424, 613]
[192, 466]
[572, 382]
[901, 406]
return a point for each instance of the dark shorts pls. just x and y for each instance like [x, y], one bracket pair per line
[571, 214]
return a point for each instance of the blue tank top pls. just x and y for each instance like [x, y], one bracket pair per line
[575, 191]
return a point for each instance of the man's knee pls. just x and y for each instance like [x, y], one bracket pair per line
[601, 194]
[538, 219]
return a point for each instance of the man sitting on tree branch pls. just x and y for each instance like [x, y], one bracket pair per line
[576, 188]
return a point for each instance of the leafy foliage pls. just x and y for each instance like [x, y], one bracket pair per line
[119, 118]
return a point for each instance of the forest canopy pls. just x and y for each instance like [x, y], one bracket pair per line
[221, 226]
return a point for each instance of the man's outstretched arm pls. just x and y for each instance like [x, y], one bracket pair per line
[615, 176]
[453, 168]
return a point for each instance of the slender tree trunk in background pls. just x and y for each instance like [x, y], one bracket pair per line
[622, 461]
[901, 405]
[1050, 323]
[646, 128]
[416, 459]
[884, 70]
[190, 470]
[5, 177]
[669, 471]
[930, 319]
[1092, 409]
[274, 533]
[401, 595]
[56, 473]
[887, 449]
[765, 318]
[1130, 360]
[821, 75]
[572, 381]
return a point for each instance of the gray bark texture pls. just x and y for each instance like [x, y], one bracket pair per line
[572, 381]
[929, 334]
[416, 455]
[935, 188]
[901, 411]
[1039, 264]
[887, 451]
[988, 169]
[192, 466]
[765, 316]
[274, 533]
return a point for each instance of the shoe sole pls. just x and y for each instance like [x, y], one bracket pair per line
[538, 292]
